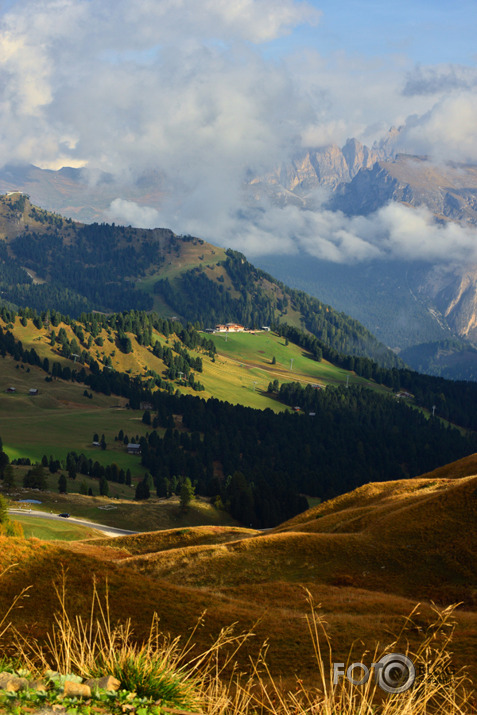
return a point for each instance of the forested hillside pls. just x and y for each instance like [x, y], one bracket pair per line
[256, 464]
[452, 359]
[49, 262]
[254, 298]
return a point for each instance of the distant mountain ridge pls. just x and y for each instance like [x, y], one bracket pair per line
[77, 193]
[449, 191]
[329, 168]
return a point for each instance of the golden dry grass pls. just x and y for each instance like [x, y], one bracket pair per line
[211, 679]
[154, 541]
[372, 539]
[354, 616]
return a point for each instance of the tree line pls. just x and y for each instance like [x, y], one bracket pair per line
[454, 400]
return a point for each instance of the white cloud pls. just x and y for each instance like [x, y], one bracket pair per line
[129, 213]
[446, 131]
[394, 231]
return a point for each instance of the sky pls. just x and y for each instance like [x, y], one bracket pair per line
[210, 92]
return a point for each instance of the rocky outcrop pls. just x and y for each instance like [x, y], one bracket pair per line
[107, 682]
[454, 293]
[449, 192]
[12, 683]
[327, 167]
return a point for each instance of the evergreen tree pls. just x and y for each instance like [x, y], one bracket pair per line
[142, 490]
[187, 493]
[8, 477]
[103, 487]
[35, 478]
[4, 461]
[146, 418]
[62, 487]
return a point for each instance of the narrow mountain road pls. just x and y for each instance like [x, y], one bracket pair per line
[104, 528]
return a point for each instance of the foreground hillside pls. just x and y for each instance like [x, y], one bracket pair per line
[370, 538]
[356, 555]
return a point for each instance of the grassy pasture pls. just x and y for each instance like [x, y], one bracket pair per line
[151, 542]
[192, 254]
[53, 530]
[356, 555]
[240, 373]
[246, 358]
[371, 538]
[61, 419]
[274, 611]
[30, 431]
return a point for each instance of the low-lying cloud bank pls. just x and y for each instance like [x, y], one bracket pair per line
[394, 231]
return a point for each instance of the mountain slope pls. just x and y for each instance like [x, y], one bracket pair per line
[370, 538]
[258, 463]
[51, 262]
[355, 555]
[436, 302]
[449, 358]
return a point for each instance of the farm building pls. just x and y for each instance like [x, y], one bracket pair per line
[33, 391]
[134, 448]
[229, 328]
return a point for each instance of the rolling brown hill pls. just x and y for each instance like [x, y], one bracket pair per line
[371, 538]
[366, 557]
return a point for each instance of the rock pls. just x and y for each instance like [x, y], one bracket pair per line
[38, 684]
[79, 690]
[12, 683]
[108, 682]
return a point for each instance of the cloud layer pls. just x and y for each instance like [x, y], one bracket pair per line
[187, 89]
[394, 231]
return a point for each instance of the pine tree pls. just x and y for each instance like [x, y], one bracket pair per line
[8, 477]
[187, 493]
[103, 487]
